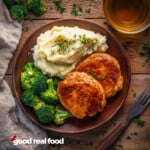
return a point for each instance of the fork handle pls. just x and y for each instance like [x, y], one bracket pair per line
[112, 137]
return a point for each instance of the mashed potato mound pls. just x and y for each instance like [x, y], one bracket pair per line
[58, 50]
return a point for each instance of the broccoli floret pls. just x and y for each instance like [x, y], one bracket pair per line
[40, 84]
[45, 113]
[50, 95]
[33, 78]
[59, 5]
[36, 6]
[30, 99]
[26, 81]
[60, 115]
[31, 69]
[18, 12]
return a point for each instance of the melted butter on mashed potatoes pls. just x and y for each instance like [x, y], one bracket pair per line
[58, 50]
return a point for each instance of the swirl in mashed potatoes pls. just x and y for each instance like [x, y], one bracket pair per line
[58, 50]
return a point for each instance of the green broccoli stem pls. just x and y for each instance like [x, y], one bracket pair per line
[61, 115]
[51, 86]
[49, 96]
[39, 105]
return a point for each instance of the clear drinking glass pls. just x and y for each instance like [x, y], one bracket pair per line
[127, 16]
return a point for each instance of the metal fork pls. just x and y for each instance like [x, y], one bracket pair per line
[140, 104]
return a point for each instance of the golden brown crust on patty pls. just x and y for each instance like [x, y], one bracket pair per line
[81, 94]
[104, 68]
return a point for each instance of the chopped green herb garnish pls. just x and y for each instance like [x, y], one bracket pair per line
[135, 133]
[142, 53]
[146, 46]
[58, 147]
[52, 53]
[30, 19]
[25, 29]
[102, 77]
[59, 5]
[63, 45]
[132, 134]
[146, 53]
[76, 10]
[93, 73]
[129, 137]
[84, 39]
[96, 76]
[88, 10]
[121, 146]
[74, 35]
[133, 93]
[139, 122]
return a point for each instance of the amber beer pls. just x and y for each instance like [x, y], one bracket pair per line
[128, 16]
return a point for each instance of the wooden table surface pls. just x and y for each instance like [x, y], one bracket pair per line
[140, 77]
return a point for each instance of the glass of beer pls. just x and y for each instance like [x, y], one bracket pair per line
[128, 16]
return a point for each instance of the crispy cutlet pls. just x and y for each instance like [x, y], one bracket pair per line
[81, 94]
[105, 69]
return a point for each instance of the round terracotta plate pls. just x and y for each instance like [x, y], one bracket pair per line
[74, 125]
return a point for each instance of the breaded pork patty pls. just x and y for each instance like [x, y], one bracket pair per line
[81, 94]
[105, 69]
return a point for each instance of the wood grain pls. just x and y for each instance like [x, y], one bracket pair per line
[139, 79]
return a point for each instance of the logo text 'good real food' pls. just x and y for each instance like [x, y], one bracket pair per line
[37, 141]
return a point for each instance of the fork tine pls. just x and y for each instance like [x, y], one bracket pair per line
[145, 99]
[147, 102]
[138, 99]
[141, 102]
[144, 94]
